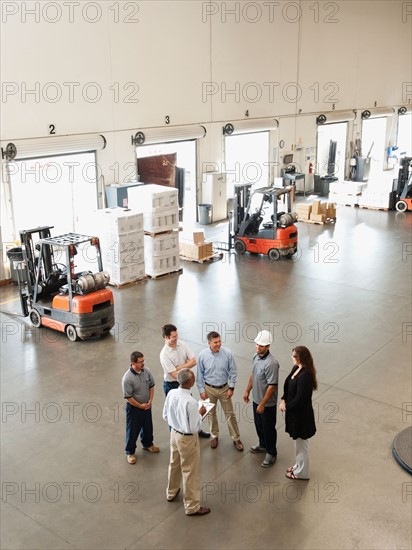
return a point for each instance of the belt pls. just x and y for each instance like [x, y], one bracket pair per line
[181, 433]
[216, 387]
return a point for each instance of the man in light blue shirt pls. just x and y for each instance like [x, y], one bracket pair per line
[216, 380]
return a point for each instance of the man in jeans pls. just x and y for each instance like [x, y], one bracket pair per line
[216, 379]
[174, 357]
[138, 389]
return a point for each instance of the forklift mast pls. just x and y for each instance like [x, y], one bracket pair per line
[29, 253]
[404, 189]
[241, 204]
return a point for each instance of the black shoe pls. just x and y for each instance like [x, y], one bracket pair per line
[257, 449]
[204, 434]
[269, 461]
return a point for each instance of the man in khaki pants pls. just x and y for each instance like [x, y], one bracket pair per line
[216, 379]
[183, 415]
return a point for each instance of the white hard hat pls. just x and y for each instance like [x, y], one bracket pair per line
[264, 338]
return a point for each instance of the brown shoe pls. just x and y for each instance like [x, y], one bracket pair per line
[131, 459]
[238, 444]
[214, 442]
[152, 449]
[201, 512]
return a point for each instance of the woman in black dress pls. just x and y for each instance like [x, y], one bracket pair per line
[296, 403]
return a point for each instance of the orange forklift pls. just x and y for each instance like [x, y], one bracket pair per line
[54, 295]
[258, 226]
[404, 186]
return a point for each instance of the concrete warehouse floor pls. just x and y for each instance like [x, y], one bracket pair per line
[65, 480]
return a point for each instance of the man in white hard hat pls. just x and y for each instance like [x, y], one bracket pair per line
[264, 385]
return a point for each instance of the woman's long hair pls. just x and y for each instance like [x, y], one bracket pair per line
[306, 360]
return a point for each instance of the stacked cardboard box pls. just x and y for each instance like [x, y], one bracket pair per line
[346, 192]
[159, 205]
[197, 248]
[373, 199]
[160, 208]
[316, 212]
[162, 253]
[303, 211]
[121, 241]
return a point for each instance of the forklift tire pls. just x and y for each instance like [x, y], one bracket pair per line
[71, 333]
[274, 254]
[240, 247]
[35, 318]
[401, 206]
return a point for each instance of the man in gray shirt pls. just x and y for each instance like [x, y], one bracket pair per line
[138, 389]
[264, 383]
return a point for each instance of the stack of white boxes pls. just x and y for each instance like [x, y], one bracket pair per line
[375, 199]
[121, 241]
[346, 192]
[160, 208]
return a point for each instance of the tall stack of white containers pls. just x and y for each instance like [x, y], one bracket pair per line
[123, 247]
[160, 208]
[121, 241]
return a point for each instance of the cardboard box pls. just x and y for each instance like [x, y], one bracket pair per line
[158, 222]
[318, 217]
[153, 198]
[199, 237]
[303, 211]
[316, 207]
[331, 213]
[196, 251]
[122, 274]
[159, 265]
[162, 243]
[339, 198]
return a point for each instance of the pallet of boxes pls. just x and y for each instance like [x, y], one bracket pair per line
[160, 207]
[196, 249]
[318, 212]
[346, 193]
[121, 242]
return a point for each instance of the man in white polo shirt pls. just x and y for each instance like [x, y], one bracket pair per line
[174, 357]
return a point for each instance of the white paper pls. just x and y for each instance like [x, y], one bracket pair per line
[208, 406]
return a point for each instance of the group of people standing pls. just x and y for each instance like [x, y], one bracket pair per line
[216, 377]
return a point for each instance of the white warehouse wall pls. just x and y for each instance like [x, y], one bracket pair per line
[115, 67]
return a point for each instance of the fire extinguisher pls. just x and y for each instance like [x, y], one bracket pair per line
[311, 168]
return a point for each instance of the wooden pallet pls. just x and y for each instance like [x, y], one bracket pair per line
[328, 220]
[128, 283]
[209, 259]
[167, 232]
[374, 208]
[177, 271]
